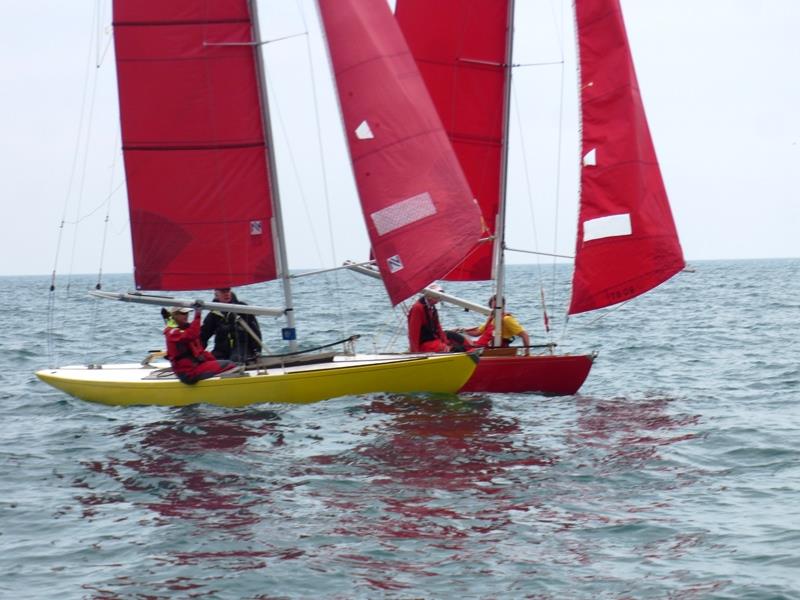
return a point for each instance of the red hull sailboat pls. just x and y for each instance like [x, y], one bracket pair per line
[627, 243]
[551, 374]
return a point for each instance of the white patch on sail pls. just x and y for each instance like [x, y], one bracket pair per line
[363, 131]
[590, 158]
[404, 212]
[394, 263]
[611, 226]
[256, 228]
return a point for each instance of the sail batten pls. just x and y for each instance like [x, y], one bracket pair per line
[144, 147]
[173, 22]
[416, 202]
[193, 144]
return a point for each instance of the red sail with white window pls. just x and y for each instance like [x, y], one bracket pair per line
[627, 243]
[460, 47]
[417, 204]
[194, 144]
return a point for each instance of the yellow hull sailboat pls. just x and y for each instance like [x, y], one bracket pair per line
[205, 207]
[135, 384]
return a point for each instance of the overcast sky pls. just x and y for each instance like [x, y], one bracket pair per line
[719, 80]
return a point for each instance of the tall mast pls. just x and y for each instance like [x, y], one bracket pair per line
[289, 332]
[500, 227]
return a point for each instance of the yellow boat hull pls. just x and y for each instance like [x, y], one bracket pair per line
[126, 385]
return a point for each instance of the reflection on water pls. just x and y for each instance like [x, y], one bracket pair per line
[442, 445]
[628, 430]
[169, 467]
[461, 477]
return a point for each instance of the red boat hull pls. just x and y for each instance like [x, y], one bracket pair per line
[553, 375]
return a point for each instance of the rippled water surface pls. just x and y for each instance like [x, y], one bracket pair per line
[675, 473]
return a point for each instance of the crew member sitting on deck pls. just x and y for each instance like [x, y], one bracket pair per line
[237, 337]
[190, 362]
[511, 329]
[425, 333]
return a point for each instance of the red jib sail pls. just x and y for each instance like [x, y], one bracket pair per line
[627, 243]
[460, 48]
[193, 141]
[416, 201]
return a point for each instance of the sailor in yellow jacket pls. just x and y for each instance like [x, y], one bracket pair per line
[511, 329]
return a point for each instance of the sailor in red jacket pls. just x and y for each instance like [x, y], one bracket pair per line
[425, 333]
[189, 359]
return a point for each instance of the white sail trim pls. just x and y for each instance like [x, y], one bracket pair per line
[403, 213]
[610, 226]
[590, 158]
[364, 132]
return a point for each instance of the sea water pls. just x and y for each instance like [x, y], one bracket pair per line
[674, 473]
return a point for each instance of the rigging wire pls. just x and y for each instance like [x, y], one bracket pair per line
[103, 204]
[559, 23]
[559, 28]
[562, 100]
[385, 336]
[598, 318]
[559, 149]
[325, 190]
[546, 63]
[98, 285]
[51, 304]
[98, 64]
[101, 30]
[277, 116]
[545, 319]
[323, 169]
[613, 309]
[86, 140]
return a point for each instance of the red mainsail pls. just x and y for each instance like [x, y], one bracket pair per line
[193, 142]
[416, 201]
[460, 48]
[627, 243]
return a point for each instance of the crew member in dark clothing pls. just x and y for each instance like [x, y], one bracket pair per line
[425, 333]
[232, 340]
[190, 362]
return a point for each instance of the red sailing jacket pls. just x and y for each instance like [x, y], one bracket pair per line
[423, 326]
[184, 348]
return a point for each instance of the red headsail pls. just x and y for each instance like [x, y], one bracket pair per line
[416, 201]
[460, 49]
[193, 141]
[627, 243]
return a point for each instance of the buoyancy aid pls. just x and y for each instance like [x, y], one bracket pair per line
[229, 332]
[431, 328]
[183, 343]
